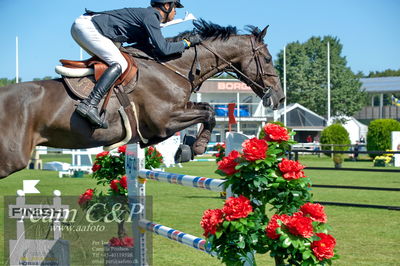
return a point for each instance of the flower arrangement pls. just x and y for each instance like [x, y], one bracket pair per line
[109, 170]
[297, 234]
[382, 160]
[153, 158]
[220, 148]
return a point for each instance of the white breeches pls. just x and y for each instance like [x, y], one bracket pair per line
[92, 41]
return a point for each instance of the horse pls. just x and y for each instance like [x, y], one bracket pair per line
[43, 112]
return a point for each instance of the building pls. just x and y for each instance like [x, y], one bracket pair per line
[250, 114]
[380, 91]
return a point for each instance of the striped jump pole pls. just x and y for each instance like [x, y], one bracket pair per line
[184, 180]
[134, 165]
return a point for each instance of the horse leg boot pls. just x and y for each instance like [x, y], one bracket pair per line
[88, 107]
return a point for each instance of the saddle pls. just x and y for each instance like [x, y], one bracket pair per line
[80, 76]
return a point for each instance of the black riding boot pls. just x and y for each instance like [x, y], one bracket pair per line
[88, 107]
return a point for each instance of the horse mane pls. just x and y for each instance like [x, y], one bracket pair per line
[209, 30]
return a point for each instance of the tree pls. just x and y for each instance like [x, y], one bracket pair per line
[307, 77]
[5, 81]
[385, 73]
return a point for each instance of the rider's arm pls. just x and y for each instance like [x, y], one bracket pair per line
[163, 47]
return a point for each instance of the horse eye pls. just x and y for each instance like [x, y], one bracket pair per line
[268, 59]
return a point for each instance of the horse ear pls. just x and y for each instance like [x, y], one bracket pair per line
[263, 33]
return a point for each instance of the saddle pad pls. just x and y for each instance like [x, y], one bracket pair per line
[82, 86]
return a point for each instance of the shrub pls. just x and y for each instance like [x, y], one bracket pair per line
[335, 134]
[379, 135]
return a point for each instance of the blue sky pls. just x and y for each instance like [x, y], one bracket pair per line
[369, 30]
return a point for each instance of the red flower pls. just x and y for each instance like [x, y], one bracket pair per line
[228, 164]
[121, 242]
[102, 154]
[323, 248]
[299, 225]
[211, 220]
[254, 149]
[273, 225]
[127, 241]
[315, 212]
[275, 132]
[114, 185]
[122, 149]
[96, 167]
[291, 169]
[85, 197]
[217, 155]
[150, 150]
[115, 242]
[236, 208]
[124, 182]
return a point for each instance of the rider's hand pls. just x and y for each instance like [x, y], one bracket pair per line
[194, 40]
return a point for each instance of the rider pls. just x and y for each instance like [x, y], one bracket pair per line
[101, 34]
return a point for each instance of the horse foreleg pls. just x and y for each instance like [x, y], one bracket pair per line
[184, 118]
[204, 134]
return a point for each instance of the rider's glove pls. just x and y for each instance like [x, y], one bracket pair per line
[192, 40]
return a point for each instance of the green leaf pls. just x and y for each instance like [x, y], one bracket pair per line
[286, 243]
[218, 234]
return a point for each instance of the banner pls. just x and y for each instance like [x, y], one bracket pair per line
[395, 101]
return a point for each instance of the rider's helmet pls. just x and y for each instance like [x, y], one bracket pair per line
[177, 2]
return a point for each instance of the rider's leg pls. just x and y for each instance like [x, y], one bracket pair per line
[88, 107]
[89, 38]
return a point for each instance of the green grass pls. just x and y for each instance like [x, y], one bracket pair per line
[364, 236]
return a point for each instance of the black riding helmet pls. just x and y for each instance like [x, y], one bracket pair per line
[176, 2]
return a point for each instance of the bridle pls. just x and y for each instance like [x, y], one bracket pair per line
[267, 91]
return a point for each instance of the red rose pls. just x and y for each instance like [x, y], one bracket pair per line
[96, 167]
[127, 241]
[211, 220]
[102, 154]
[124, 182]
[299, 225]
[314, 211]
[323, 248]
[122, 149]
[114, 185]
[150, 150]
[254, 149]
[228, 164]
[115, 242]
[291, 169]
[85, 197]
[275, 132]
[216, 155]
[121, 242]
[236, 208]
[273, 225]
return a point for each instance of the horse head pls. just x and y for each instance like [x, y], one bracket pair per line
[248, 57]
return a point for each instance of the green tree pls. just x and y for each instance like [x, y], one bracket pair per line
[385, 73]
[6, 81]
[306, 71]
[380, 134]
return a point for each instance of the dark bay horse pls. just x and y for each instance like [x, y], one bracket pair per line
[43, 112]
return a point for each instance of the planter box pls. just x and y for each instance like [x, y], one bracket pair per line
[380, 163]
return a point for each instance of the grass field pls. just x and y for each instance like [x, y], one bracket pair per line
[364, 236]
